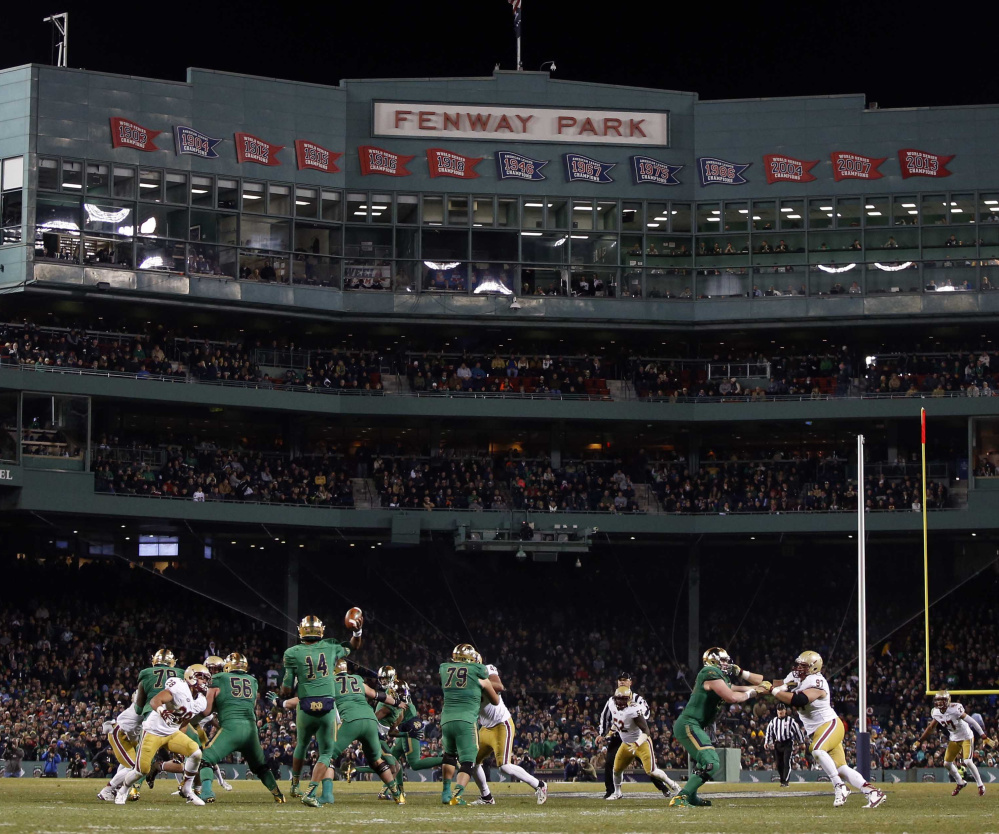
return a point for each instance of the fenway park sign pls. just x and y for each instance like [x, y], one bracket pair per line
[524, 124]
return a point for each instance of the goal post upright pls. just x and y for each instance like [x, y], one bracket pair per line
[926, 556]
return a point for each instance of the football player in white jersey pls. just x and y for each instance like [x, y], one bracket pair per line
[123, 735]
[181, 701]
[496, 732]
[960, 738]
[807, 690]
[631, 726]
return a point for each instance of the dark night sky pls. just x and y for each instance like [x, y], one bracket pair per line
[891, 54]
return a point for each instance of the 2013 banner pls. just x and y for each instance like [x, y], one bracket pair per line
[647, 169]
[128, 134]
[311, 155]
[580, 168]
[380, 161]
[194, 143]
[922, 164]
[720, 172]
[515, 166]
[444, 163]
[250, 148]
[854, 166]
[787, 169]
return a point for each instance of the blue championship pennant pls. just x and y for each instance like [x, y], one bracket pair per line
[647, 169]
[515, 166]
[719, 172]
[190, 141]
[583, 169]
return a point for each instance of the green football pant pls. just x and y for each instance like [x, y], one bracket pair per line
[364, 730]
[389, 760]
[235, 736]
[696, 742]
[319, 727]
[461, 739]
[412, 749]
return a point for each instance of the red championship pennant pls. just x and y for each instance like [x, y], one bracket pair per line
[853, 166]
[922, 164]
[126, 134]
[785, 169]
[444, 163]
[311, 155]
[379, 161]
[251, 149]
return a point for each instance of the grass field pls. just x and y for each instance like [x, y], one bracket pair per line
[56, 806]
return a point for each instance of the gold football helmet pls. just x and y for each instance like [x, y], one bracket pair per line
[214, 663]
[807, 663]
[164, 657]
[235, 662]
[340, 667]
[623, 697]
[465, 653]
[717, 656]
[311, 628]
[198, 678]
[941, 700]
[386, 676]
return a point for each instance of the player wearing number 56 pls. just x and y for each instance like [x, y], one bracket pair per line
[308, 673]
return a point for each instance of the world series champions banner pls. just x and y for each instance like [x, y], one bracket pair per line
[645, 169]
[854, 166]
[379, 161]
[787, 169]
[922, 164]
[580, 168]
[444, 163]
[129, 134]
[515, 166]
[316, 157]
[250, 148]
[720, 172]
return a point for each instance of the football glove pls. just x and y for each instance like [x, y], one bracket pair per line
[272, 698]
[735, 671]
[414, 728]
[766, 686]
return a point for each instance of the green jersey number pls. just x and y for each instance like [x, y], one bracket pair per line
[320, 669]
[457, 676]
[344, 681]
[159, 676]
[240, 688]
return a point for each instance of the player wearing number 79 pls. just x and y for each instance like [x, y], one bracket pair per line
[310, 664]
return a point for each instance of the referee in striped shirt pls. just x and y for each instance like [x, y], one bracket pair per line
[783, 732]
[608, 733]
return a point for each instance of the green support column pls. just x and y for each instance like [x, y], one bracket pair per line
[291, 591]
[694, 648]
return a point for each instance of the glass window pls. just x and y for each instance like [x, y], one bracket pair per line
[57, 229]
[109, 217]
[11, 213]
[406, 243]
[357, 207]
[108, 250]
[266, 233]
[381, 208]
[407, 208]
[368, 242]
[176, 187]
[544, 247]
[318, 239]
[433, 211]
[877, 212]
[594, 249]
[279, 199]
[708, 217]
[534, 214]
[316, 270]
[332, 206]
[935, 209]
[151, 185]
[162, 255]
[163, 221]
[72, 175]
[494, 246]
[202, 191]
[261, 266]
[764, 215]
[848, 212]
[506, 212]
[214, 227]
[228, 194]
[253, 198]
[679, 214]
[736, 217]
[558, 214]
[582, 214]
[367, 275]
[205, 259]
[657, 218]
[544, 281]
[792, 214]
[445, 276]
[306, 202]
[905, 210]
[445, 245]
[457, 211]
[48, 174]
[483, 211]
[607, 216]
[123, 183]
[97, 179]
[962, 208]
[493, 278]
[821, 213]
[988, 208]
[631, 215]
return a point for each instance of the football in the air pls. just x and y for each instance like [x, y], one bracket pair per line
[351, 618]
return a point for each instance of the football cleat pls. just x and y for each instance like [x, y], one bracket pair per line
[295, 792]
[482, 800]
[842, 792]
[875, 798]
[696, 801]
[133, 794]
[310, 800]
[279, 799]
[349, 772]
[542, 793]
[191, 797]
[107, 794]
[457, 800]
[616, 795]
[960, 786]
[209, 798]
[121, 795]
[981, 790]
[679, 801]
[400, 798]
[385, 794]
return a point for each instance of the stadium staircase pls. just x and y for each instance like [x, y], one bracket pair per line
[620, 389]
[392, 383]
[647, 500]
[365, 494]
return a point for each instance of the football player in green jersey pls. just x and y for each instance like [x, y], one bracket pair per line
[235, 699]
[465, 681]
[712, 687]
[311, 663]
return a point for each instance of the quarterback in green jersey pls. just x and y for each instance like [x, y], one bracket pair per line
[465, 681]
[234, 694]
[712, 687]
[310, 663]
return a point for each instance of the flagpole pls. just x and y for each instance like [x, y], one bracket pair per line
[520, 66]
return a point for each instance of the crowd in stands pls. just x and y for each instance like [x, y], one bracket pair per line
[562, 376]
[937, 376]
[75, 640]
